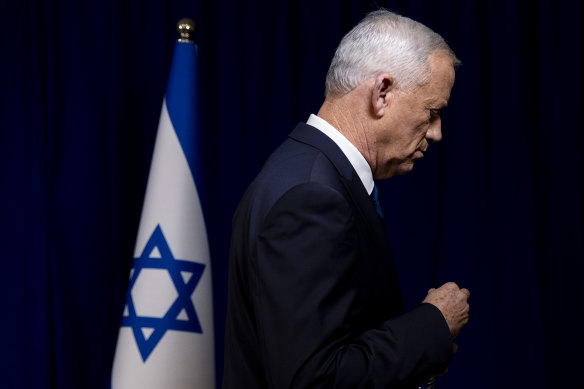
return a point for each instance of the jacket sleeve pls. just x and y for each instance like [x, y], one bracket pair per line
[305, 263]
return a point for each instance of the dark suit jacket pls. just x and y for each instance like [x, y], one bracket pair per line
[314, 300]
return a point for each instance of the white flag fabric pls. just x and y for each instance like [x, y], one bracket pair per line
[166, 338]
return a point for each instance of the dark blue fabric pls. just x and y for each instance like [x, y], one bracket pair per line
[312, 273]
[183, 106]
[375, 198]
[497, 206]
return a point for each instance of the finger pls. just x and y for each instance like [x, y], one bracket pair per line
[451, 285]
[465, 291]
[431, 290]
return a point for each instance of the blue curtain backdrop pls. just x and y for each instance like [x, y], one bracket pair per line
[496, 207]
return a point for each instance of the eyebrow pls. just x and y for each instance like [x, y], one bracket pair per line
[432, 104]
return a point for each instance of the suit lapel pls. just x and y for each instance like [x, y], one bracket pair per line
[368, 213]
[312, 136]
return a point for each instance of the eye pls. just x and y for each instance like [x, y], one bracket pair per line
[434, 114]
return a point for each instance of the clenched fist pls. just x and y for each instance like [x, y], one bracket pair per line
[452, 302]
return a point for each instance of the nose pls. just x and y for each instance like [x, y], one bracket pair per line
[434, 132]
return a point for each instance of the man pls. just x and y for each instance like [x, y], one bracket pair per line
[314, 300]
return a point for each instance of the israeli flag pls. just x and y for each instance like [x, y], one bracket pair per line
[166, 335]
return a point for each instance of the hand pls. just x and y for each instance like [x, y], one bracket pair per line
[452, 302]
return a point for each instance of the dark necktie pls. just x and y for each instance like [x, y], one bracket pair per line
[375, 199]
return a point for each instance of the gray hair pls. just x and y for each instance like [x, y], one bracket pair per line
[385, 42]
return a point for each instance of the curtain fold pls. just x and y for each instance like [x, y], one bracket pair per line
[497, 206]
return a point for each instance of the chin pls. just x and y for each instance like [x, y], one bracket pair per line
[405, 168]
[400, 170]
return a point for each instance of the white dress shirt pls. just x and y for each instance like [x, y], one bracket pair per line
[353, 155]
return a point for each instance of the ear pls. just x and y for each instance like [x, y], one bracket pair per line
[381, 93]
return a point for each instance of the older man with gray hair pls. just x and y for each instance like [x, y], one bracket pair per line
[314, 300]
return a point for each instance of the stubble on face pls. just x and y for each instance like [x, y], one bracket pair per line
[412, 120]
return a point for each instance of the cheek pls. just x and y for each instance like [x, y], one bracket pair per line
[421, 130]
[415, 134]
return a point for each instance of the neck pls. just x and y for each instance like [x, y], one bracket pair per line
[346, 114]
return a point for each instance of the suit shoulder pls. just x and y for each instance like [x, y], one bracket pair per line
[292, 164]
[298, 170]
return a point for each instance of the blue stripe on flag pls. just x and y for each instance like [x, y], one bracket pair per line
[182, 103]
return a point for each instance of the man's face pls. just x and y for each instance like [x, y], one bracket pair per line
[413, 120]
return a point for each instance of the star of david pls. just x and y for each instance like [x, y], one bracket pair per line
[174, 318]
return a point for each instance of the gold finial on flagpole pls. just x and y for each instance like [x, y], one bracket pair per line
[186, 30]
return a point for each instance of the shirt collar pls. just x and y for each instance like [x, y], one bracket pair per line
[356, 159]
